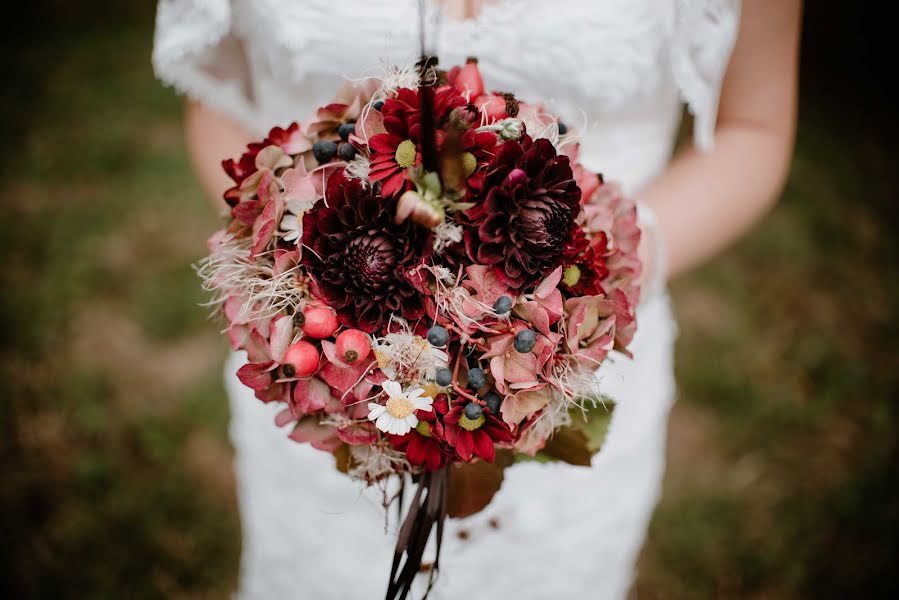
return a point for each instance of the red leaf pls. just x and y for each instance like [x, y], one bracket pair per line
[257, 375]
[473, 485]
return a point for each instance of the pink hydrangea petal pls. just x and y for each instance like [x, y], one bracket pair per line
[519, 406]
[284, 417]
[357, 434]
[310, 395]
[257, 375]
[281, 336]
[320, 437]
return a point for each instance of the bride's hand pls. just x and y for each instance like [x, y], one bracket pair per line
[212, 136]
[651, 250]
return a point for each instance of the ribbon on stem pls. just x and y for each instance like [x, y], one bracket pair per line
[427, 513]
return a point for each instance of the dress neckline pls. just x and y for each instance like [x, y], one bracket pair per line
[486, 13]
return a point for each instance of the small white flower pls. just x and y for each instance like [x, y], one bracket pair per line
[292, 222]
[445, 234]
[398, 415]
[404, 354]
[358, 168]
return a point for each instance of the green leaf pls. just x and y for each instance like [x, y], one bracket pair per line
[577, 443]
[569, 445]
[596, 426]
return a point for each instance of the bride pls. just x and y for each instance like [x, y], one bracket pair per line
[623, 67]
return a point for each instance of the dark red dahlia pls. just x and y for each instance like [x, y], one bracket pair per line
[394, 151]
[474, 437]
[526, 218]
[360, 260]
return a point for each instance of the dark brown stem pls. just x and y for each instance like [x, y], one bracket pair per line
[426, 512]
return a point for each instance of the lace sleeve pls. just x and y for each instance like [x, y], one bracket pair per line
[705, 32]
[196, 51]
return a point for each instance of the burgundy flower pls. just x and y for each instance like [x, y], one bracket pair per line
[394, 151]
[291, 141]
[478, 150]
[613, 215]
[527, 218]
[424, 446]
[585, 265]
[474, 438]
[361, 261]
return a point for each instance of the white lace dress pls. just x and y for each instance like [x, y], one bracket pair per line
[623, 68]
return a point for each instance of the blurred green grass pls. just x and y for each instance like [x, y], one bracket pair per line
[117, 476]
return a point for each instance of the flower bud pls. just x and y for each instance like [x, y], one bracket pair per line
[463, 118]
[516, 176]
[412, 205]
[511, 129]
[468, 79]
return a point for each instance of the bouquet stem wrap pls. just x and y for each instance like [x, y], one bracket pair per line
[427, 512]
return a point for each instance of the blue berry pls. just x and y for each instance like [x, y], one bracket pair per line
[324, 150]
[492, 400]
[476, 378]
[346, 151]
[345, 130]
[438, 336]
[444, 377]
[473, 411]
[378, 105]
[525, 340]
[502, 305]
[563, 128]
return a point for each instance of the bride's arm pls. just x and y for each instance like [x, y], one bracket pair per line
[705, 201]
[211, 136]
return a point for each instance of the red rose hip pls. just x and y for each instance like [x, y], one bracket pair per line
[303, 357]
[352, 346]
[319, 322]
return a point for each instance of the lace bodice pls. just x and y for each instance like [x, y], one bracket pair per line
[619, 69]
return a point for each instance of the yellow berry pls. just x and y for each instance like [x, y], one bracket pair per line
[471, 424]
[405, 154]
[571, 275]
[469, 163]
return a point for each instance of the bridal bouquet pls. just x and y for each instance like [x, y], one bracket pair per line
[423, 275]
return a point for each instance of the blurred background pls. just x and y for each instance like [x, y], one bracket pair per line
[783, 477]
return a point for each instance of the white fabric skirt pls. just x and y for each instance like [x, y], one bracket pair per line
[552, 531]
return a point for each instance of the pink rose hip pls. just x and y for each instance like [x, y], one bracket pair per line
[303, 357]
[352, 346]
[319, 322]
[469, 79]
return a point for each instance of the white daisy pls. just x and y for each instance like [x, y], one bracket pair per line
[398, 415]
[292, 222]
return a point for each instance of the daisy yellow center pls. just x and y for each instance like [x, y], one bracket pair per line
[470, 424]
[469, 163]
[405, 154]
[399, 407]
